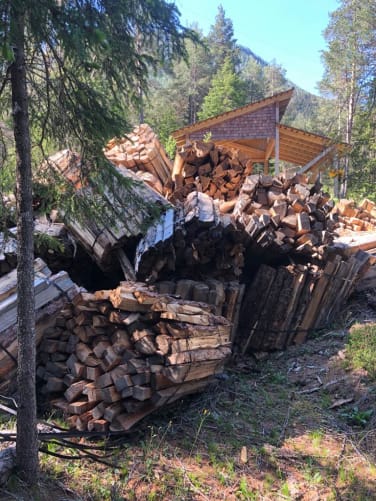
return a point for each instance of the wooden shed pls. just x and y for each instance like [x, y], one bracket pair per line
[256, 129]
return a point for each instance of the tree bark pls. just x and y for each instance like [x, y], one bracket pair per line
[27, 443]
[349, 127]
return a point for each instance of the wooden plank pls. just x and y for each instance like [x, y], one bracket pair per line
[317, 296]
[189, 372]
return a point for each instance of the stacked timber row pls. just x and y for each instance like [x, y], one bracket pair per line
[51, 243]
[121, 213]
[356, 218]
[215, 170]
[8, 253]
[141, 152]
[285, 215]
[349, 244]
[225, 297]
[283, 304]
[195, 240]
[51, 293]
[115, 356]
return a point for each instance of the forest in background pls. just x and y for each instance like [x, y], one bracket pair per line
[216, 75]
[220, 75]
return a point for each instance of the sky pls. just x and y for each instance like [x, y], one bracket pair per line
[287, 31]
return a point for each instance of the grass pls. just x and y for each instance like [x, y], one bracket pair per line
[361, 348]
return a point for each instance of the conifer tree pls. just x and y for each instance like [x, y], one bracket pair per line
[227, 91]
[350, 64]
[221, 41]
[70, 67]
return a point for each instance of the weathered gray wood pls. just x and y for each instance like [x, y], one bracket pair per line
[7, 464]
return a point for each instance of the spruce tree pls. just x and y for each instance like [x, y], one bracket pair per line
[227, 91]
[221, 41]
[71, 66]
[350, 65]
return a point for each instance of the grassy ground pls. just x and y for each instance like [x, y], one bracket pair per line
[298, 425]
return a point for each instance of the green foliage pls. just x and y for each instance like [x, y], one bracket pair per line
[244, 492]
[361, 348]
[170, 147]
[350, 70]
[43, 242]
[357, 417]
[207, 137]
[227, 91]
[221, 41]
[176, 94]
[362, 177]
[84, 62]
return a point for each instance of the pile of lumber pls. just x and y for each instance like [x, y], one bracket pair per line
[51, 293]
[193, 240]
[351, 242]
[141, 152]
[115, 356]
[51, 243]
[282, 304]
[215, 170]
[225, 297]
[121, 212]
[8, 253]
[285, 214]
[354, 217]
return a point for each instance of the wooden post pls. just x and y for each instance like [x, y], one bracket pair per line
[266, 166]
[276, 160]
[268, 151]
[336, 180]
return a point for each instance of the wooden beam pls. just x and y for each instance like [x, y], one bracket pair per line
[303, 135]
[297, 144]
[300, 157]
[317, 159]
[276, 161]
[269, 148]
[298, 152]
[256, 155]
[268, 151]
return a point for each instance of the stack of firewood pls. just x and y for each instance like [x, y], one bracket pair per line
[226, 297]
[285, 214]
[51, 293]
[283, 304]
[354, 217]
[193, 240]
[215, 170]
[121, 212]
[8, 254]
[141, 152]
[118, 355]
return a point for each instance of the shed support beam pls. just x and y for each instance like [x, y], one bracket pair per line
[268, 153]
[276, 161]
[317, 159]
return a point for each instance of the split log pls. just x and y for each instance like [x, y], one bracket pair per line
[285, 216]
[214, 170]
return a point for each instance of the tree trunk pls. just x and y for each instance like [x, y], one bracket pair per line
[349, 127]
[27, 443]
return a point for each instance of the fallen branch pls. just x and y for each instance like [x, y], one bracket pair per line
[323, 387]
